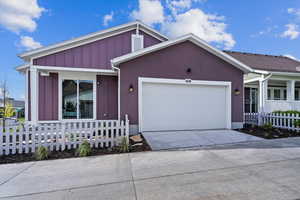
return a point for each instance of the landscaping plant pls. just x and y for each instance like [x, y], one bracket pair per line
[124, 145]
[41, 153]
[84, 149]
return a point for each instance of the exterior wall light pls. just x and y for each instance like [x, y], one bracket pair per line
[188, 70]
[237, 92]
[130, 88]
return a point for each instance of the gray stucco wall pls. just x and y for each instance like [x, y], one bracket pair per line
[172, 62]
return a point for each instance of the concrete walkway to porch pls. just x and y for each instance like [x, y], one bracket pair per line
[188, 139]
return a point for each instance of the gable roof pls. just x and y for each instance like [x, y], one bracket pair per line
[43, 51]
[267, 62]
[189, 37]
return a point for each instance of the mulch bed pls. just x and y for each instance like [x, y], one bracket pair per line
[268, 133]
[18, 158]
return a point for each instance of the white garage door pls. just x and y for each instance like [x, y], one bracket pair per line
[166, 104]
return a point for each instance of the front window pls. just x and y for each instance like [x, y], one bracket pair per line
[277, 94]
[77, 99]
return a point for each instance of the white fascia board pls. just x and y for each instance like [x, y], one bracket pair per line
[43, 51]
[22, 68]
[261, 71]
[189, 37]
[73, 69]
[286, 73]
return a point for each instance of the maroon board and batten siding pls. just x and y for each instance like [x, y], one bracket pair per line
[93, 55]
[107, 97]
[48, 97]
[172, 62]
[96, 54]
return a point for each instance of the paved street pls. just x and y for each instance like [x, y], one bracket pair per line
[266, 170]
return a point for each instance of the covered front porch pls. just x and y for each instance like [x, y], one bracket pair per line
[268, 93]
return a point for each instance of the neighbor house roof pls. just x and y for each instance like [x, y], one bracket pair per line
[90, 38]
[189, 37]
[269, 63]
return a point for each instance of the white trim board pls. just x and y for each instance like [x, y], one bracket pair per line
[189, 37]
[142, 80]
[91, 38]
[74, 69]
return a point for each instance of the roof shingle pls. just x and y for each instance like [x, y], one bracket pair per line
[266, 62]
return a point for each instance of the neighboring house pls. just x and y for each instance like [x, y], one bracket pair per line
[275, 85]
[161, 84]
[17, 105]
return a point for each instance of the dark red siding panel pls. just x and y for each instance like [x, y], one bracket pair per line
[96, 54]
[48, 97]
[173, 62]
[107, 97]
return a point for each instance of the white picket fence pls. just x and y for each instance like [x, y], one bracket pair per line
[62, 136]
[278, 120]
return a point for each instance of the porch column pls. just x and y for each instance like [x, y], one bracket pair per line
[26, 95]
[34, 94]
[262, 95]
[290, 90]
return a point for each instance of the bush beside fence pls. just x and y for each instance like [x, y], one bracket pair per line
[277, 120]
[62, 136]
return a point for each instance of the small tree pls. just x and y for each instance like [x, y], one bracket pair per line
[7, 108]
[7, 111]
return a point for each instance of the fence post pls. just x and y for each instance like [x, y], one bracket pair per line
[127, 128]
[260, 118]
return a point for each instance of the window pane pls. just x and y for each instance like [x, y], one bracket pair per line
[297, 95]
[276, 94]
[284, 94]
[69, 99]
[269, 94]
[86, 99]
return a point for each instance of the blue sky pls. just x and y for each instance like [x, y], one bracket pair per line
[260, 26]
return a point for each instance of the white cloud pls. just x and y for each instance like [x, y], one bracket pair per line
[292, 31]
[108, 18]
[210, 28]
[17, 15]
[294, 11]
[29, 43]
[292, 57]
[150, 12]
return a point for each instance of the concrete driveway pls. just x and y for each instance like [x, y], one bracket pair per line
[263, 170]
[188, 139]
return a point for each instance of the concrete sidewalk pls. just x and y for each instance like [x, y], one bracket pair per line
[256, 170]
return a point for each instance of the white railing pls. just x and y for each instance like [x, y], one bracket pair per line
[61, 136]
[273, 105]
[277, 120]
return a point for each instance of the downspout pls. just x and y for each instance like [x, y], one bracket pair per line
[119, 90]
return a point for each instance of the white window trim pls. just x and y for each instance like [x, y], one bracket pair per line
[76, 76]
[142, 80]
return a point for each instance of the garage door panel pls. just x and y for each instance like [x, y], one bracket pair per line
[183, 107]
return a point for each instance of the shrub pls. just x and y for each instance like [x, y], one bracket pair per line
[124, 145]
[84, 149]
[267, 126]
[41, 153]
[297, 123]
[287, 112]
